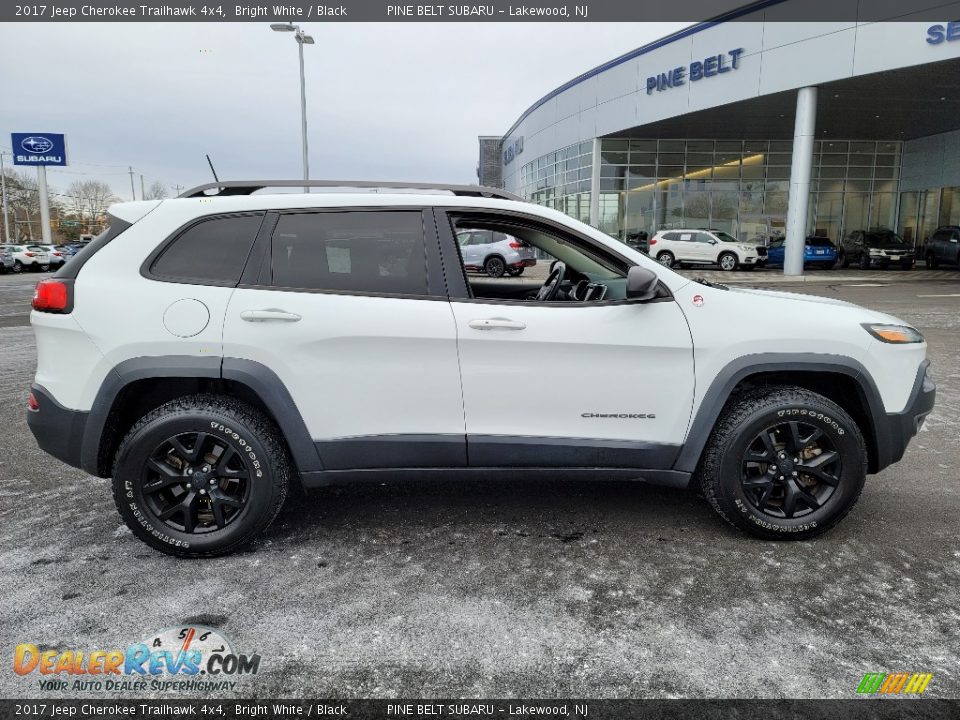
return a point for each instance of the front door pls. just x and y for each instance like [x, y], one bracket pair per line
[567, 383]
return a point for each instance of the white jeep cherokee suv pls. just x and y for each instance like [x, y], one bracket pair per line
[706, 247]
[207, 352]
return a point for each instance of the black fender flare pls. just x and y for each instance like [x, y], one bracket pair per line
[732, 374]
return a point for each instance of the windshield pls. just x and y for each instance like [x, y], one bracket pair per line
[875, 239]
[726, 238]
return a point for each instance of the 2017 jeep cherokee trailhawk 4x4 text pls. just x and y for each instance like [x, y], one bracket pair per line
[209, 351]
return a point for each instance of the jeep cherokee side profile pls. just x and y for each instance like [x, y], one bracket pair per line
[210, 351]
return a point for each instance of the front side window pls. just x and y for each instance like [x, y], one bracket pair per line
[354, 251]
[211, 251]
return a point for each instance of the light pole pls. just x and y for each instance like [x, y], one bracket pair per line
[302, 39]
[3, 191]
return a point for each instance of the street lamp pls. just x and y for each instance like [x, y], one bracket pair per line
[302, 39]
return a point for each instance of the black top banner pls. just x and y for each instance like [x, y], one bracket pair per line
[496, 11]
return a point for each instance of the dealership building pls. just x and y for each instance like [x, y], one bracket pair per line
[752, 125]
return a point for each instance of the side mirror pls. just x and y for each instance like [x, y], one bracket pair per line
[641, 283]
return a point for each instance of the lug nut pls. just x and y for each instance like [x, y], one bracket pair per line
[794, 473]
[206, 468]
[202, 491]
[782, 477]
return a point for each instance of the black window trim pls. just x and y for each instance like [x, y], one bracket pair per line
[146, 268]
[459, 285]
[260, 276]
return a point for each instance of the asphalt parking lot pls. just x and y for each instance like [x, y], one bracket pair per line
[491, 589]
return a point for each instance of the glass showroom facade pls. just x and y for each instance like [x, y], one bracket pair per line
[740, 187]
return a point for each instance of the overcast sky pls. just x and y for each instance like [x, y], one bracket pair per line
[384, 101]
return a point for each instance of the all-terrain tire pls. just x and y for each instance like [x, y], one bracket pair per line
[720, 468]
[229, 423]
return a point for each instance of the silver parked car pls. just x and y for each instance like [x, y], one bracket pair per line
[6, 260]
[495, 253]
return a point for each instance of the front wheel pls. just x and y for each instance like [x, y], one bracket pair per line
[201, 476]
[516, 272]
[727, 262]
[17, 266]
[932, 262]
[783, 463]
[864, 261]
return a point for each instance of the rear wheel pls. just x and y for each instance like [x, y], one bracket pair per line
[727, 261]
[494, 266]
[201, 476]
[516, 272]
[783, 463]
[666, 259]
[17, 266]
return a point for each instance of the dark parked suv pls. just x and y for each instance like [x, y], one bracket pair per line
[876, 248]
[943, 247]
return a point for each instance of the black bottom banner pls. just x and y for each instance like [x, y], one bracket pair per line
[865, 709]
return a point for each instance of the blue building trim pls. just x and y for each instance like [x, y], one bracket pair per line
[643, 50]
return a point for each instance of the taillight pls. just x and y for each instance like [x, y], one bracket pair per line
[29, 254]
[653, 241]
[32, 404]
[516, 245]
[53, 296]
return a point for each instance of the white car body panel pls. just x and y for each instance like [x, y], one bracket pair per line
[356, 365]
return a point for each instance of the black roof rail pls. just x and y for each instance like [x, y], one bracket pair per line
[248, 187]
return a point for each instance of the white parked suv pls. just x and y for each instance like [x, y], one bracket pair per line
[207, 352]
[28, 257]
[706, 247]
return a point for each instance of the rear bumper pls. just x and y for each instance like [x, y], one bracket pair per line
[895, 430]
[58, 430]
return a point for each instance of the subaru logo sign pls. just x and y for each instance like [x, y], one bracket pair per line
[36, 144]
[39, 148]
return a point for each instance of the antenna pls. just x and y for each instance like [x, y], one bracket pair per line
[210, 163]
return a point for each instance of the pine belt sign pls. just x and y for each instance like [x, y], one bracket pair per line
[39, 148]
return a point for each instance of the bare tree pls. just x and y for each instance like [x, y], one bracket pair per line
[89, 199]
[156, 191]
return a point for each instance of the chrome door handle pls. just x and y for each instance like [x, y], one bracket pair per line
[270, 314]
[497, 324]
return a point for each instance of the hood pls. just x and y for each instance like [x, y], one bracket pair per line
[793, 296]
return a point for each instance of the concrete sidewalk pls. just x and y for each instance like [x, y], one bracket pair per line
[772, 276]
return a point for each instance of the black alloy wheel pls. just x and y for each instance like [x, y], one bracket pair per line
[196, 483]
[790, 469]
[495, 266]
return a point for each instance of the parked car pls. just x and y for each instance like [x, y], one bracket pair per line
[304, 339]
[817, 252]
[68, 250]
[26, 259]
[943, 247]
[495, 253]
[638, 240]
[706, 247]
[876, 248]
[57, 258]
[6, 260]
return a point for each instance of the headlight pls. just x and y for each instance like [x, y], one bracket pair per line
[877, 252]
[894, 334]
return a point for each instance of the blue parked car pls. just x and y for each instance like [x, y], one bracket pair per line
[817, 252]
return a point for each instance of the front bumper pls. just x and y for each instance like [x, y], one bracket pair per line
[58, 430]
[895, 430]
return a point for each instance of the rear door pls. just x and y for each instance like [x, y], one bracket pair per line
[348, 307]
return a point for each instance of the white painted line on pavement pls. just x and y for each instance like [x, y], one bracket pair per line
[945, 295]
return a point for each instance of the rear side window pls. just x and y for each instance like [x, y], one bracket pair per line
[819, 242]
[360, 251]
[212, 251]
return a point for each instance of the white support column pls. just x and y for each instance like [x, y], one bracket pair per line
[44, 204]
[803, 133]
[595, 185]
